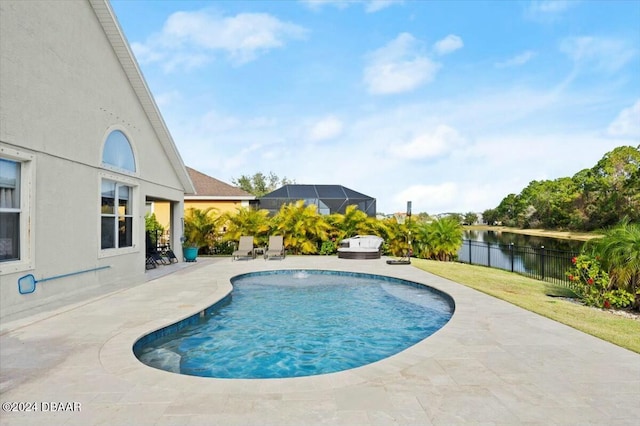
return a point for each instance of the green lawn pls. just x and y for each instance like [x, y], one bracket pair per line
[531, 295]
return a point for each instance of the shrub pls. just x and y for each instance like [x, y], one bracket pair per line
[589, 280]
[619, 250]
[222, 247]
[618, 299]
[152, 227]
[328, 247]
[440, 239]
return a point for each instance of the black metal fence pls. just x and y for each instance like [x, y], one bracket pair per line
[539, 263]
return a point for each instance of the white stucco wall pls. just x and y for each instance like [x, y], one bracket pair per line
[62, 91]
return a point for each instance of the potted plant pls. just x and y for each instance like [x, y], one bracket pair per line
[189, 251]
[199, 227]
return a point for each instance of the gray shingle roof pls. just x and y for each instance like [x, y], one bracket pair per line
[206, 186]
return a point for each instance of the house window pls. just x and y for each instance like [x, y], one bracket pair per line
[116, 215]
[117, 153]
[10, 210]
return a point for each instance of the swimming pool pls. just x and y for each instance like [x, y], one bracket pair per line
[294, 323]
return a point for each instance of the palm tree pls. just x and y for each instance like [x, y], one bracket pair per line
[247, 222]
[199, 227]
[440, 239]
[302, 227]
[396, 236]
[619, 253]
[354, 222]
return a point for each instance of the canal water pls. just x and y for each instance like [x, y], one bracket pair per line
[543, 258]
[499, 237]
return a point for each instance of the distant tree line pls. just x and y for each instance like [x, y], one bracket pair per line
[594, 198]
[260, 184]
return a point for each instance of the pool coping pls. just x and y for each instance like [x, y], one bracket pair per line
[492, 363]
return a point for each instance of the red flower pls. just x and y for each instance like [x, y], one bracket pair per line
[571, 277]
[574, 260]
[607, 304]
[590, 281]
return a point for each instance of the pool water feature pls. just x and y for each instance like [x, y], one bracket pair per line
[280, 324]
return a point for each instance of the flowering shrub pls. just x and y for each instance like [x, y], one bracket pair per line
[618, 299]
[590, 281]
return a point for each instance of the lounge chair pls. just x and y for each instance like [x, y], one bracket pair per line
[245, 248]
[171, 256]
[276, 247]
[157, 258]
[150, 263]
[404, 260]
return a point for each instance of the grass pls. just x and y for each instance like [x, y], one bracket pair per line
[532, 295]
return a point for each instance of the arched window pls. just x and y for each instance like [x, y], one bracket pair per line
[117, 201]
[117, 152]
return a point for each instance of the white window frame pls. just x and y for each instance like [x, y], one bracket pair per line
[131, 150]
[27, 233]
[135, 208]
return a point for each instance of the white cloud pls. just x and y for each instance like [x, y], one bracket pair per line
[517, 60]
[601, 54]
[438, 142]
[190, 39]
[144, 53]
[430, 198]
[185, 60]
[552, 6]
[377, 5]
[399, 66]
[165, 99]
[370, 6]
[549, 10]
[448, 44]
[327, 128]
[319, 4]
[627, 123]
[216, 123]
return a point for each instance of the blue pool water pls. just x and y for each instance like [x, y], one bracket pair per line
[299, 323]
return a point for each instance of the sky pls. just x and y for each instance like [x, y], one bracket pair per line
[449, 104]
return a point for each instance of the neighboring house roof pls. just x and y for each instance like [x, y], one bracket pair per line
[298, 192]
[328, 198]
[120, 46]
[208, 188]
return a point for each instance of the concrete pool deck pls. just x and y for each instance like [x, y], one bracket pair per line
[492, 364]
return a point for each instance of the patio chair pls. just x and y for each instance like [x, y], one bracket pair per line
[245, 248]
[171, 256]
[276, 247]
[150, 263]
[157, 258]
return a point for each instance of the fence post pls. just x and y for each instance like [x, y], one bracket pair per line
[511, 255]
[470, 262]
[488, 254]
[542, 256]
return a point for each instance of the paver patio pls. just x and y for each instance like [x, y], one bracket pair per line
[492, 364]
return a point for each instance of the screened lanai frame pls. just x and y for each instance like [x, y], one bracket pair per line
[328, 198]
